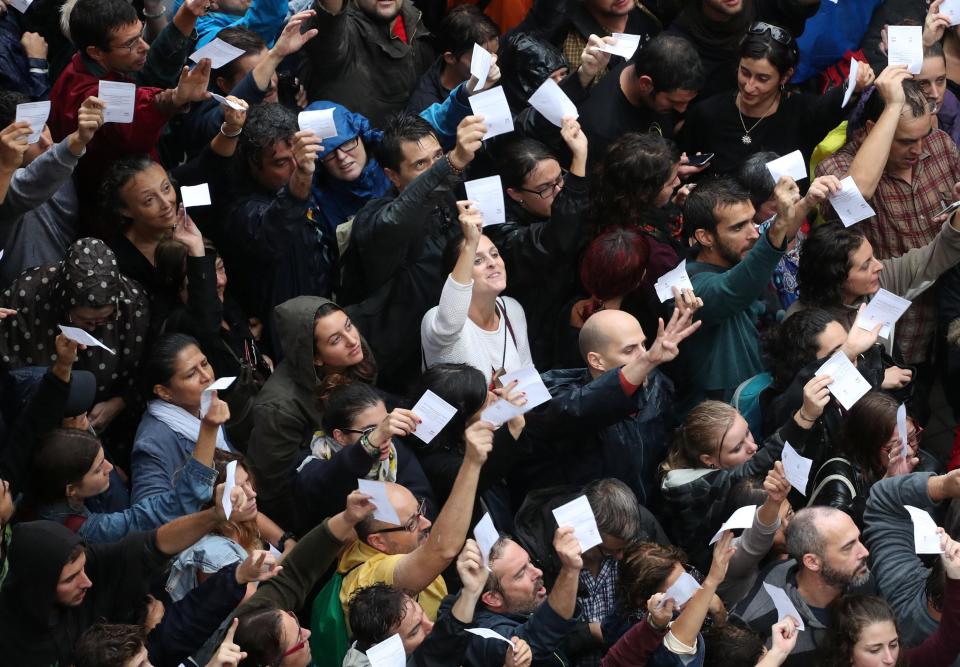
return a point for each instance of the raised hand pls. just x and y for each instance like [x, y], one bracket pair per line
[776, 485]
[520, 656]
[306, 148]
[666, 347]
[859, 340]
[470, 567]
[895, 377]
[518, 398]
[13, 144]
[200, 7]
[471, 221]
[89, 119]
[229, 653]
[66, 350]
[890, 84]
[359, 507]
[470, 133]
[192, 86]
[783, 637]
[567, 546]
[260, 565]
[479, 437]
[237, 496]
[660, 609]
[934, 24]
[574, 137]
[821, 188]
[398, 423]
[593, 60]
[865, 77]
[34, 45]
[218, 413]
[291, 39]
[723, 551]
[235, 119]
[816, 395]
[187, 233]
[686, 300]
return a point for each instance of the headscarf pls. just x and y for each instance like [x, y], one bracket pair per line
[43, 296]
[339, 200]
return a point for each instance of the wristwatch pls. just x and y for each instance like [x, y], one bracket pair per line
[289, 535]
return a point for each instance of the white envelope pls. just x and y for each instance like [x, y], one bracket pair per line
[206, 396]
[784, 604]
[676, 276]
[195, 195]
[625, 46]
[480, 62]
[884, 308]
[492, 105]
[742, 518]
[434, 413]
[849, 204]
[848, 386]
[218, 51]
[552, 103]
[487, 193]
[925, 538]
[791, 165]
[796, 468]
[35, 113]
[378, 495]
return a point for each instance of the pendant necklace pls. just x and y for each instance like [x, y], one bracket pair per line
[745, 139]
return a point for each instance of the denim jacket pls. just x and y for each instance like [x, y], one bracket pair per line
[211, 554]
[159, 456]
[194, 489]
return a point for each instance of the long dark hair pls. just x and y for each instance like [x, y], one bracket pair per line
[64, 456]
[462, 386]
[762, 46]
[795, 344]
[850, 615]
[365, 371]
[867, 428]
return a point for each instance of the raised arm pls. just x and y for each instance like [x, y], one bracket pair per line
[416, 570]
[290, 41]
[687, 626]
[563, 596]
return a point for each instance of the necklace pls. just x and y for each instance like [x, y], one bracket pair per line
[746, 133]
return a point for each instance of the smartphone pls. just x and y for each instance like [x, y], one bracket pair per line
[699, 160]
[949, 208]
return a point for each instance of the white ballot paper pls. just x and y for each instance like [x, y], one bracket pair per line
[486, 535]
[218, 51]
[796, 468]
[884, 308]
[579, 515]
[902, 430]
[487, 633]
[676, 276]
[206, 396]
[742, 518]
[850, 204]
[435, 413]
[480, 63]
[378, 495]
[952, 9]
[320, 121]
[22, 5]
[925, 538]
[553, 103]
[35, 113]
[492, 105]
[625, 46]
[119, 98]
[529, 381]
[223, 100]
[228, 484]
[848, 385]
[78, 335]
[388, 653]
[682, 590]
[784, 604]
[195, 195]
[851, 82]
[905, 46]
[791, 165]
[487, 193]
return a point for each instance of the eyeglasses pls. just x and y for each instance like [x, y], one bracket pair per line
[913, 438]
[93, 322]
[549, 189]
[301, 642]
[411, 524]
[347, 146]
[366, 430]
[778, 33]
[130, 45]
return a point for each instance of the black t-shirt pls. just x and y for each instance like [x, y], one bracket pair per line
[801, 122]
[606, 115]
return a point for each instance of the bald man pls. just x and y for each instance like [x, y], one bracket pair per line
[411, 555]
[610, 419]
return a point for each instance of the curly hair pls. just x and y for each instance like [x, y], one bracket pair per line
[116, 177]
[267, 124]
[375, 611]
[630, 176]
[850, 615]
[796, 344]
[109, 645]
[825, 262]
[644, 568]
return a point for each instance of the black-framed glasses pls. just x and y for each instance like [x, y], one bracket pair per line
[130, 45]
[549, 189]
[411, 524]
[778, 33]
[347, 146]
[366, 430]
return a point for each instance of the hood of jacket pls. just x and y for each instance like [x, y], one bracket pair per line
[525, 63]
[38, 552]
[674, 479]
[355, 658]
[294, 321]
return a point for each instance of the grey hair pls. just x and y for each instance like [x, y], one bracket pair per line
[65, 10]
[615, 508]
[803, 536]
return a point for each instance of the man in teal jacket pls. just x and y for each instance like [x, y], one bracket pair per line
[731, 271]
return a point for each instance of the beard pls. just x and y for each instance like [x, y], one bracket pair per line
[728, 254]
[528, 605]
[840, 579]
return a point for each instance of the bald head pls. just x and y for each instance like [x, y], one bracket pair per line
[605, 333]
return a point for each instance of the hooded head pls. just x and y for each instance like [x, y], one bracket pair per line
[525, 63]
[89, 276]
[38, 552]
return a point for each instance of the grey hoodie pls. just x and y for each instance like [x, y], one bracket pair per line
[287, 412]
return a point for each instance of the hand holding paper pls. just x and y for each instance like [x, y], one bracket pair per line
[553, 103]
[388, 653]
[434, 413]
[926, 539]
[319, 121]
[35, 113]
[487, 194]
[492, 105]
[905, 46]
[378, 496]
[742, 518]
[579, 515]
[675, 277]
[791, 165]
[848, 385]
[486, 535]
[207, 395]
[229, 483]
[885, 308]
[79, 335]
[796, 468]
[784, 604]
[849, 204]
[119, 98]
[480, 63]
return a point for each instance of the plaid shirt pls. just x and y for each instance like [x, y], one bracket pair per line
[904, 221]
[600, 601]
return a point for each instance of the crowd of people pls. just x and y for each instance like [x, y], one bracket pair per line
[275, 390]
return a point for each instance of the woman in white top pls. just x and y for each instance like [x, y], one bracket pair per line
[473, 324]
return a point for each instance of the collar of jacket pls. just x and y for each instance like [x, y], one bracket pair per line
[583, 22]
[382, 34]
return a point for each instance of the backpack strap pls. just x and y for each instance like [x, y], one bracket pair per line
[836, 477]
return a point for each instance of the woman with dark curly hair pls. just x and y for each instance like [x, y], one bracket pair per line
[839, 272]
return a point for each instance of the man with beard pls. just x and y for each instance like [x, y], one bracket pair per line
[410, 556]
[827, 560]
[730, 273]
[512, 603]
[368, 57]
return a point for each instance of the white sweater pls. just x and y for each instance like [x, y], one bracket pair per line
[448, 336]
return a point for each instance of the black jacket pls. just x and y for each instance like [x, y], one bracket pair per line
[34, 629]
[392, 269]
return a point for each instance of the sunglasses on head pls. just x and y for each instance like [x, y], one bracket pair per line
[776, 32]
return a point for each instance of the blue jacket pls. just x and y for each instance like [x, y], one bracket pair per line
[264, 17]
[593, 429]
[29, 76]
[544, 630]
[194, 489]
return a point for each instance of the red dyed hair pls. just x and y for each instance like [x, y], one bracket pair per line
[613, 265]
